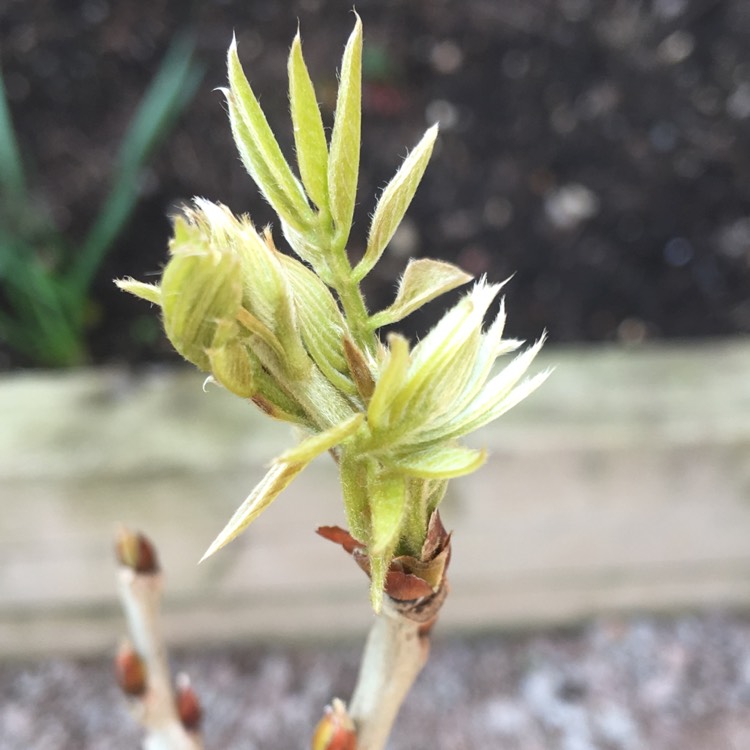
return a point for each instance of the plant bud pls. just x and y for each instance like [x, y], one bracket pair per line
[135, 551]
[188, 705]
[199, 287]
[232, 364]
[130, 671]
[335, 731]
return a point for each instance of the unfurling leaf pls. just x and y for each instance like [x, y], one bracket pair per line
[232, 364]
[390, 382]
[313, 446]
[309, 135]
[394, 201]
[388, 503]
[343, 162]
[314, 304]
[353, 472]
[260, 151]
[279, 476]
[499, 394]
[199, 287]
[277, 479]
[442, 360]
[149, 292]
[422, 281]
[359, 369]
[439, 462]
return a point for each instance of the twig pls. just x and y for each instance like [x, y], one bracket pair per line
[156, 708]
[395, 653]
[398, 644]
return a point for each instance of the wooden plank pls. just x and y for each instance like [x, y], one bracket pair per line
[623, 483]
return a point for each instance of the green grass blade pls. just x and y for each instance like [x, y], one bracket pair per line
[12, 177]
[169, 93]
[172, 88]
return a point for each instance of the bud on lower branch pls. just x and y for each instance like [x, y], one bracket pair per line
[130, 671]
[335, 731]
[188, 706]
[135, 551]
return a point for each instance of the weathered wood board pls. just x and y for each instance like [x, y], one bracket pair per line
[624, 483]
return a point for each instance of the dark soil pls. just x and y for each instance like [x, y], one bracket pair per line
[598, 150]
[677, 684]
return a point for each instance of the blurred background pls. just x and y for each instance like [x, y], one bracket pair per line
[599, 151]
[596, 150]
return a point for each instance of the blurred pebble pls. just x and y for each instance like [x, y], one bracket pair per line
[458, 225]
[678, 46]
[617, 728]
[738, 103]
[707, 100]
[598, 100]
[442, 112]
[678, 252]
[405, 241]
[734, 238]
[498, 212]
[94, 11]
[562, 120]
[569, 205]
[446, 57]
[516, 64]
[669, 9]
[474, 259]
[632, 331]
[505, 717]
[575, 10]
[663, 136]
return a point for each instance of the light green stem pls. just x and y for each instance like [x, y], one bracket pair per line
[351, 297]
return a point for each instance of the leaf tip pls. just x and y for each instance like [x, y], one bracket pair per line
[221, 541]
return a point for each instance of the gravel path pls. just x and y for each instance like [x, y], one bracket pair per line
[660, 684]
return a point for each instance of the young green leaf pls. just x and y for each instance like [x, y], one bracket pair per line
[394, 201]
[284, 469]
[260, 151]
[389, 384]
[353, 473]
[422, 281]
[149, 292]
[198, 288]
[278, 478]
[309, 135]
[313, 446]
[379, 565]
[232, 364]
[320, 323]
[387, 505]
[440, 462]
[343, 162]
[500, 394]
[359, 368]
